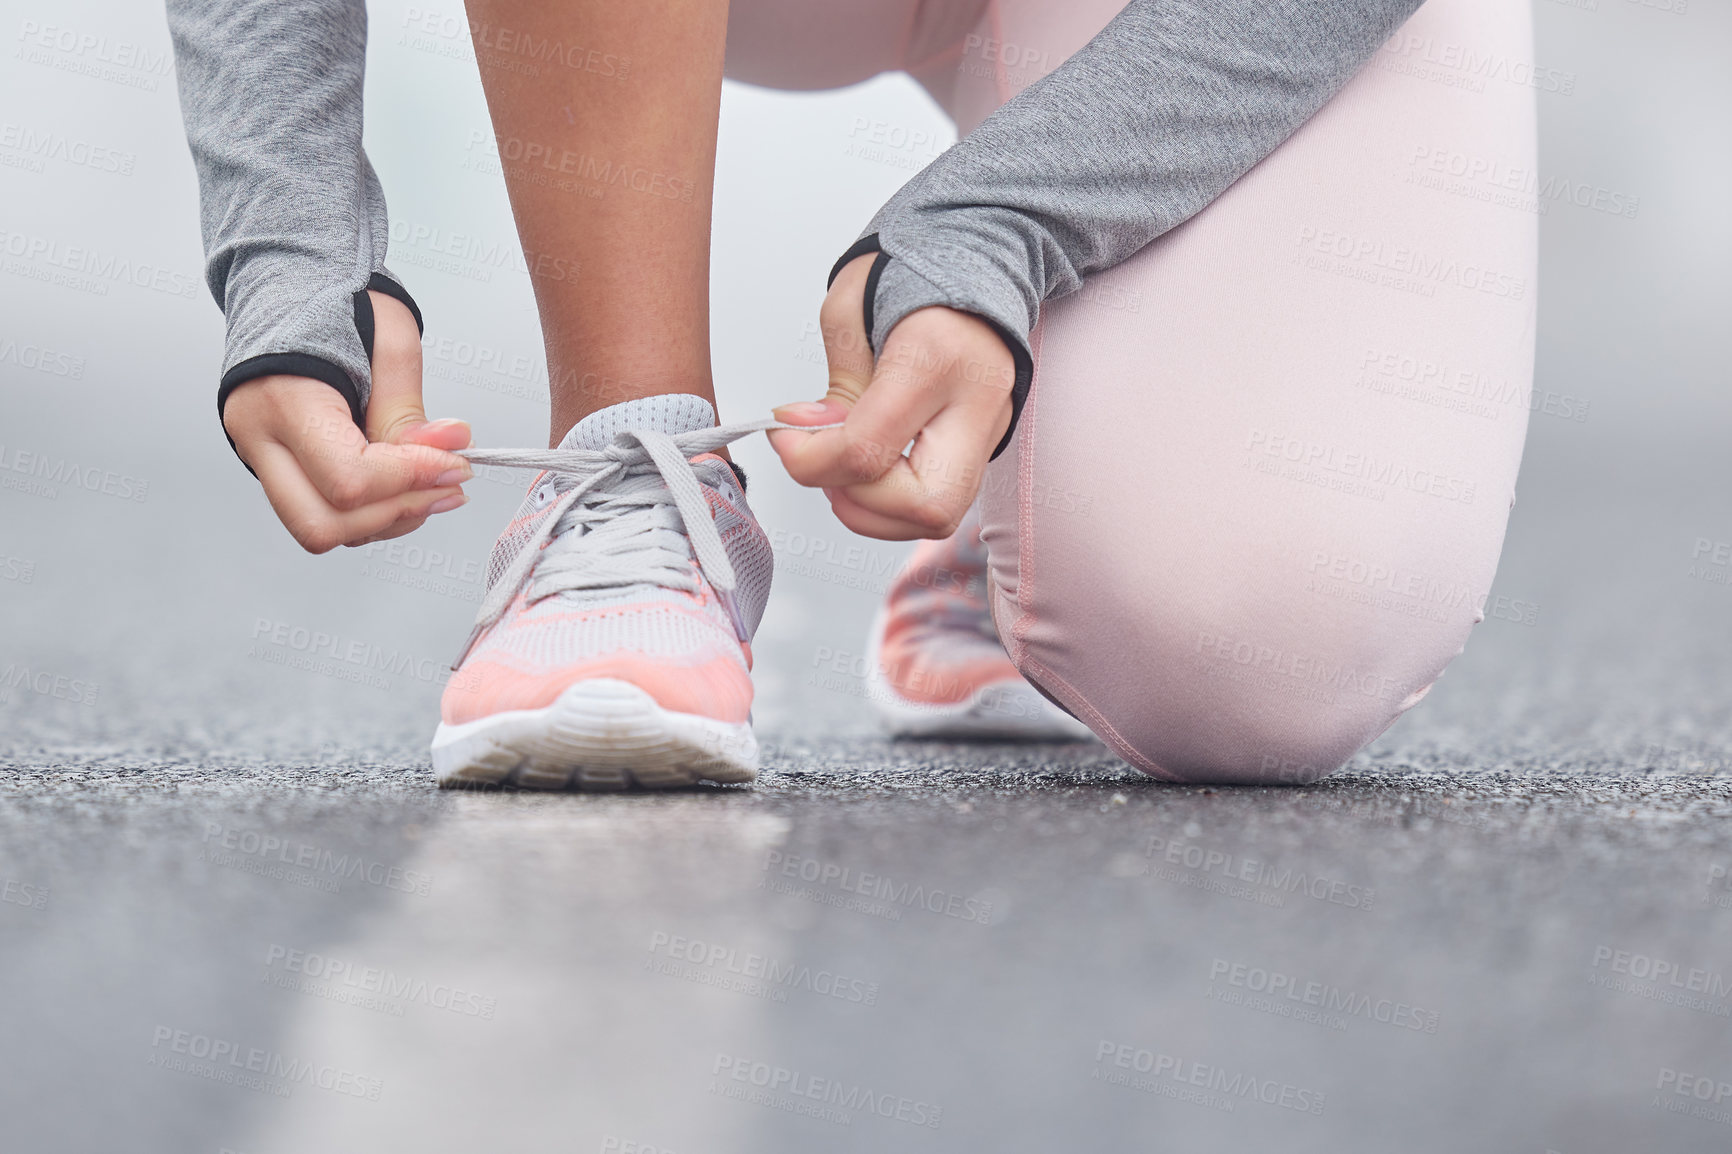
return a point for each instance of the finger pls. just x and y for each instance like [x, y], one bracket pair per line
[953, 450]
[936, 361]
[318, 526]
[848, 355]
[889, 415]
[398, 528]
[931, 491]
[847, 352]
[394, 405]
[825, 412]
[351, 473]
[828, 411]
[447, 433]
[847, 344]
[899, 499]
[869, 523]
[935, 358]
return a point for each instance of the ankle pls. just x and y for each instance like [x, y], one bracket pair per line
[596, 391]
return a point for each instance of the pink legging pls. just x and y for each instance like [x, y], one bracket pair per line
[1256, 499]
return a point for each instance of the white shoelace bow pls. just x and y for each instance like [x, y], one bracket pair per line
[603, 531]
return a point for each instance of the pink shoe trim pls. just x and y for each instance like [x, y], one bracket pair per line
[718, 689]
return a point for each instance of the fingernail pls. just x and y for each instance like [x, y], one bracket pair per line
[447, 504]
[805, 411]
[452, 477]
[447, 423]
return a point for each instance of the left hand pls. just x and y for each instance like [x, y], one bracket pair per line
[943, 382]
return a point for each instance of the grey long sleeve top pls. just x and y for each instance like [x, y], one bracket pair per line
[1135, 133]
[1138, 131]
[292, 215]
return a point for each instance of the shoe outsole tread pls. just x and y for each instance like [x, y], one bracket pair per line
[1010, 710]
[600, 735]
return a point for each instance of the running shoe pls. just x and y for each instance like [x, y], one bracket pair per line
[613, 646]
[935, 665]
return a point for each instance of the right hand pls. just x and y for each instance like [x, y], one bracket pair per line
[942, 382]
[332, 484]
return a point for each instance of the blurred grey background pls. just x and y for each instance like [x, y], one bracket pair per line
[1564, 790]
[151, 595]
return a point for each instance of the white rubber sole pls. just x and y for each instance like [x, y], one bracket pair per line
[1002, 711]
[599, 735]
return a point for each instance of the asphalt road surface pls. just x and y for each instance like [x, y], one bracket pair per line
[238, 916]
[235, 915]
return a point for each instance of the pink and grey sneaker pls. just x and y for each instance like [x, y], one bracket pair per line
[936, 667]
[613, 647]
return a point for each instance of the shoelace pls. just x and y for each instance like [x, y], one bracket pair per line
[945, 609]
[944, 614]
[614, 548]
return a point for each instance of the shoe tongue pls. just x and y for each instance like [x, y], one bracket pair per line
[668, 413]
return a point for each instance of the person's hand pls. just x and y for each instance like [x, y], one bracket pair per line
[331, 484]
[943, 382]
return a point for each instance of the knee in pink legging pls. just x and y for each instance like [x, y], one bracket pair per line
[1256, 499]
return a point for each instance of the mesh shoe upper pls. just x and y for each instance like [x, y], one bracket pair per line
[937, 644]
[617, 589]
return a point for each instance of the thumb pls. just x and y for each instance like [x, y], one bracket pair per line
[847, 344]
[394, 409]
[847, 348]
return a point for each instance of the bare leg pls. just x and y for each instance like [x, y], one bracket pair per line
[606, 114]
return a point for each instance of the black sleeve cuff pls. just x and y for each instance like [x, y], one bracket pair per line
[291, 365]
[1020, 356]
[318, 368]
[379, 282]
